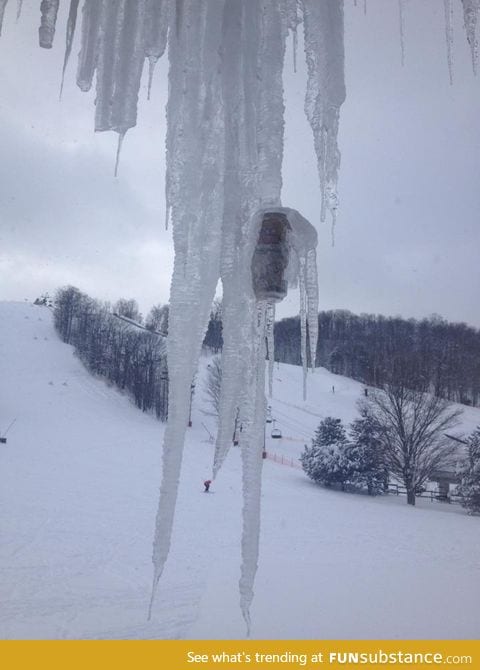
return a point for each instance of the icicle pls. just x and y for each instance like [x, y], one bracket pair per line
[401, 10]
[252, 448]
[270, 327]
[120, 64]
[253, 56]
[46, 32]
[303, 323]
[121, 137]
[323, 25]
[19, 9]
[470, 17]
[196, 172]
[167, 215]
[311, 285]
[157, 19]
[87, 58]
[295, 48]
[3, 4]
[290, 15]
[365, 7]
[448, 7]
[71, 23]
[151, 69]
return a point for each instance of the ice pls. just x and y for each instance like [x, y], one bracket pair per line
[448, 8]
[252, 459]
[195, 171]
[156, 33]
[3, 4]
[303, 323]
[121, 137]
[120, 64]
[323, 27]
[87, 58]
[46, 32]
[19, 8]
[71, 23]
[270, 323]
[470, 17]
[303, 270]
[290, 9]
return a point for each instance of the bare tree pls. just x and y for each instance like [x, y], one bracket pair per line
[413, 426]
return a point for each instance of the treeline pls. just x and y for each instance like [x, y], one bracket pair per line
[442, 357]
[131, 358]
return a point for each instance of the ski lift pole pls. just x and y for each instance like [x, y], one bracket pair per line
[192, 390]
[264, 452]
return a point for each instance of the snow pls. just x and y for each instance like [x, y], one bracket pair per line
[78, 477]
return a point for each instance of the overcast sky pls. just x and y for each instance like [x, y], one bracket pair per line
[407, 237]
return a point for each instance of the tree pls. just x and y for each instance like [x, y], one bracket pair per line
[413, 425]
[213, 383]
[157, 319]
[366, 453]
[469, 488]
[128, 308]
[213, 337]
[326, 461]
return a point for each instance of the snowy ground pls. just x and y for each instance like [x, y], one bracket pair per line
[79, 480]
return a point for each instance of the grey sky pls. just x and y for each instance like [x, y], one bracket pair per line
[407, 238]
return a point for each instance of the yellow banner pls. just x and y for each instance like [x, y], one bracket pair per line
[255, 655]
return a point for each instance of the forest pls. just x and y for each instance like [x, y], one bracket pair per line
[432, 354]
[111, 345]
[435, 355]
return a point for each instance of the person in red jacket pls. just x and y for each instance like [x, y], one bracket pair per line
[207, 485]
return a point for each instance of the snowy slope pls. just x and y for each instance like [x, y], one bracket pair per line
[328, 395]
[78, 491]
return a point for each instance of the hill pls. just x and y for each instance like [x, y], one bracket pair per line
[79, 482]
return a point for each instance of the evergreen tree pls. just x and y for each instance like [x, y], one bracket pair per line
[326, 461]
[469, 488]
[366, 454]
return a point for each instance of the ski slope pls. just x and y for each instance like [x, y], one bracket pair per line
[79, 479]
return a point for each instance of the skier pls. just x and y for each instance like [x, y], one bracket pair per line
[207, 485]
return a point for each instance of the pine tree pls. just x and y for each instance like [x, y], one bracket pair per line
[366, 454]
[469, 488]
[326, 461]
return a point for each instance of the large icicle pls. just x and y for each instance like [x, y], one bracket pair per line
[448, 8]
[46, 32]
[253, 55]
[71, 23]
[253, 413]
[120, 63]
[3, 4]
[323, 26]
[195, 148]
[470, 17]
[87, 58]
[303, 323]
[303, 269]
[270, 328]
[311, 285]
[156, 33]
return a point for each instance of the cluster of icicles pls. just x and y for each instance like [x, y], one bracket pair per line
[224, 157]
